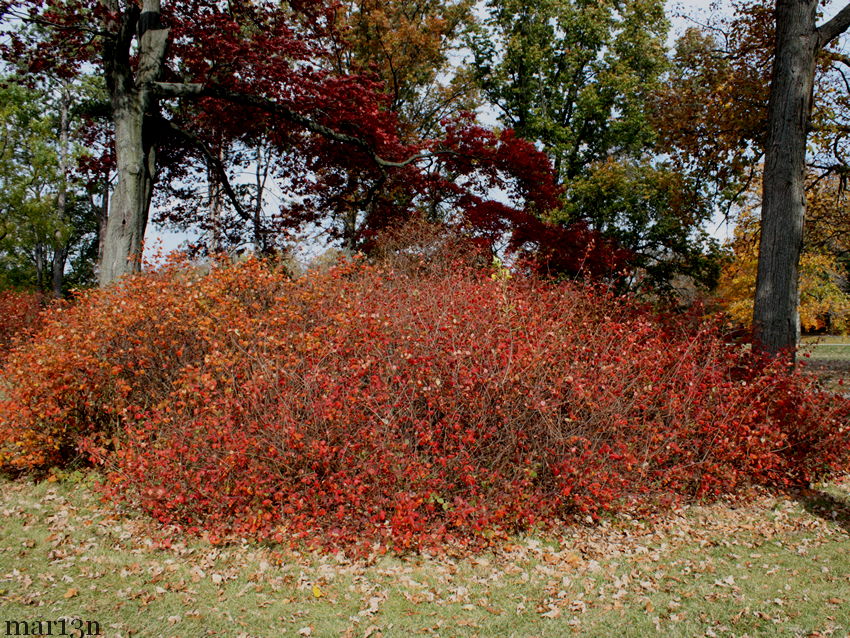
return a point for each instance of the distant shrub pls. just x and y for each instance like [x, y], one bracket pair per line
[362, 405]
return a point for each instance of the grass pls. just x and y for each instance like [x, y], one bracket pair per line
[835, 347]
[828, 357]
[773, 566]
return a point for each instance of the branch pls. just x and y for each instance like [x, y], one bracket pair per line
[213, 161]
[831, 128]
[172, 90]
[835, 56]
[834, 27]
[26, 18]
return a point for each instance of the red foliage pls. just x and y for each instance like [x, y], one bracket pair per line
[20, 317]
[408, 408]
[268, 75]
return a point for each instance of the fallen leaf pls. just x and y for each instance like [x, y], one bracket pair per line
[553, 613]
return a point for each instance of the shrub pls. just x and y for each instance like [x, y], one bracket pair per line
[114, 352]
[362, 405]
[19, 317]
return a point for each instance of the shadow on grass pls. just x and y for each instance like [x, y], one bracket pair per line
[832, 508]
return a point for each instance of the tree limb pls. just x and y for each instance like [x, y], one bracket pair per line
[214, 163]
[172, 89]
[834, 27]
[835, 56]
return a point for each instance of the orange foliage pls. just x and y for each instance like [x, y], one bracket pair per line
[409, 408]
[19, 317]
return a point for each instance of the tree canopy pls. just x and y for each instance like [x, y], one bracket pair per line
[250, 122]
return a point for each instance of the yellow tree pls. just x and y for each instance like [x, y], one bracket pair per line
[824, 301]
[415, 48]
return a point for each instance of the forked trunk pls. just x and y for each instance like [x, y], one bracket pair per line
[133, 108]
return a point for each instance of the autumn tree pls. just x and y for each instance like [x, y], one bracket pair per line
[710, 108]
[415, 47]
[766, 88]
[262, 72]
[579, 78]
[799, 41]
[824, 294]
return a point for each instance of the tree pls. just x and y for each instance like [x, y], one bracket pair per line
[261, 71]
[824, 298]
[578, 79]
[45, 218]
[573, 75]
[414, 46]
[720, 125]
[709, 111]
[798, 42]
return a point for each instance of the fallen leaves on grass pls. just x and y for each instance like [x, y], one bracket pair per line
[75, 551]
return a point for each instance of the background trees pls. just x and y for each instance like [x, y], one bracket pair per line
[46, 217]
[824, 301]
[251, 121]
[765, 98]
[196, 77]
[580, 79]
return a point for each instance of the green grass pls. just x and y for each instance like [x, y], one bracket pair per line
[833, 347]
[773, 567]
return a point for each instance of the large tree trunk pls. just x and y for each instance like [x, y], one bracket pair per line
[135, 151]
[775, 316]
[129, 205]
[776, 322]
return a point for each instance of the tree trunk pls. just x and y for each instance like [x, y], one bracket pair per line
[128, 208]
[776, 321]
[775, 318]
[60, 256]
[216, 206]
[60, 243]
[135, 148]
[102, 218]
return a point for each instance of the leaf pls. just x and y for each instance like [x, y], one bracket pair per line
[73, 591]
[554, 612]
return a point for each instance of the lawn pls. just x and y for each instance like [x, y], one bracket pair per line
[770, 566]
[828, 357]
[826, 347]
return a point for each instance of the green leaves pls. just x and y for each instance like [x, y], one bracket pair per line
[43, 215]
[580, 80]
[573, 76]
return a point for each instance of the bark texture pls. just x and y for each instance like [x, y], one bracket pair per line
[133, 109]
[776, 322]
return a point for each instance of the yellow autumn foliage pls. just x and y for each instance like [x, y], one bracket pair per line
[824, 304]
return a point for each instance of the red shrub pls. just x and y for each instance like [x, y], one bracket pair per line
[19, 317]
[362, 405]
[114, 352]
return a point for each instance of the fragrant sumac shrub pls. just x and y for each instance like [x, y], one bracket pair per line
[362, 405]
[19, 317]
[111, 353]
